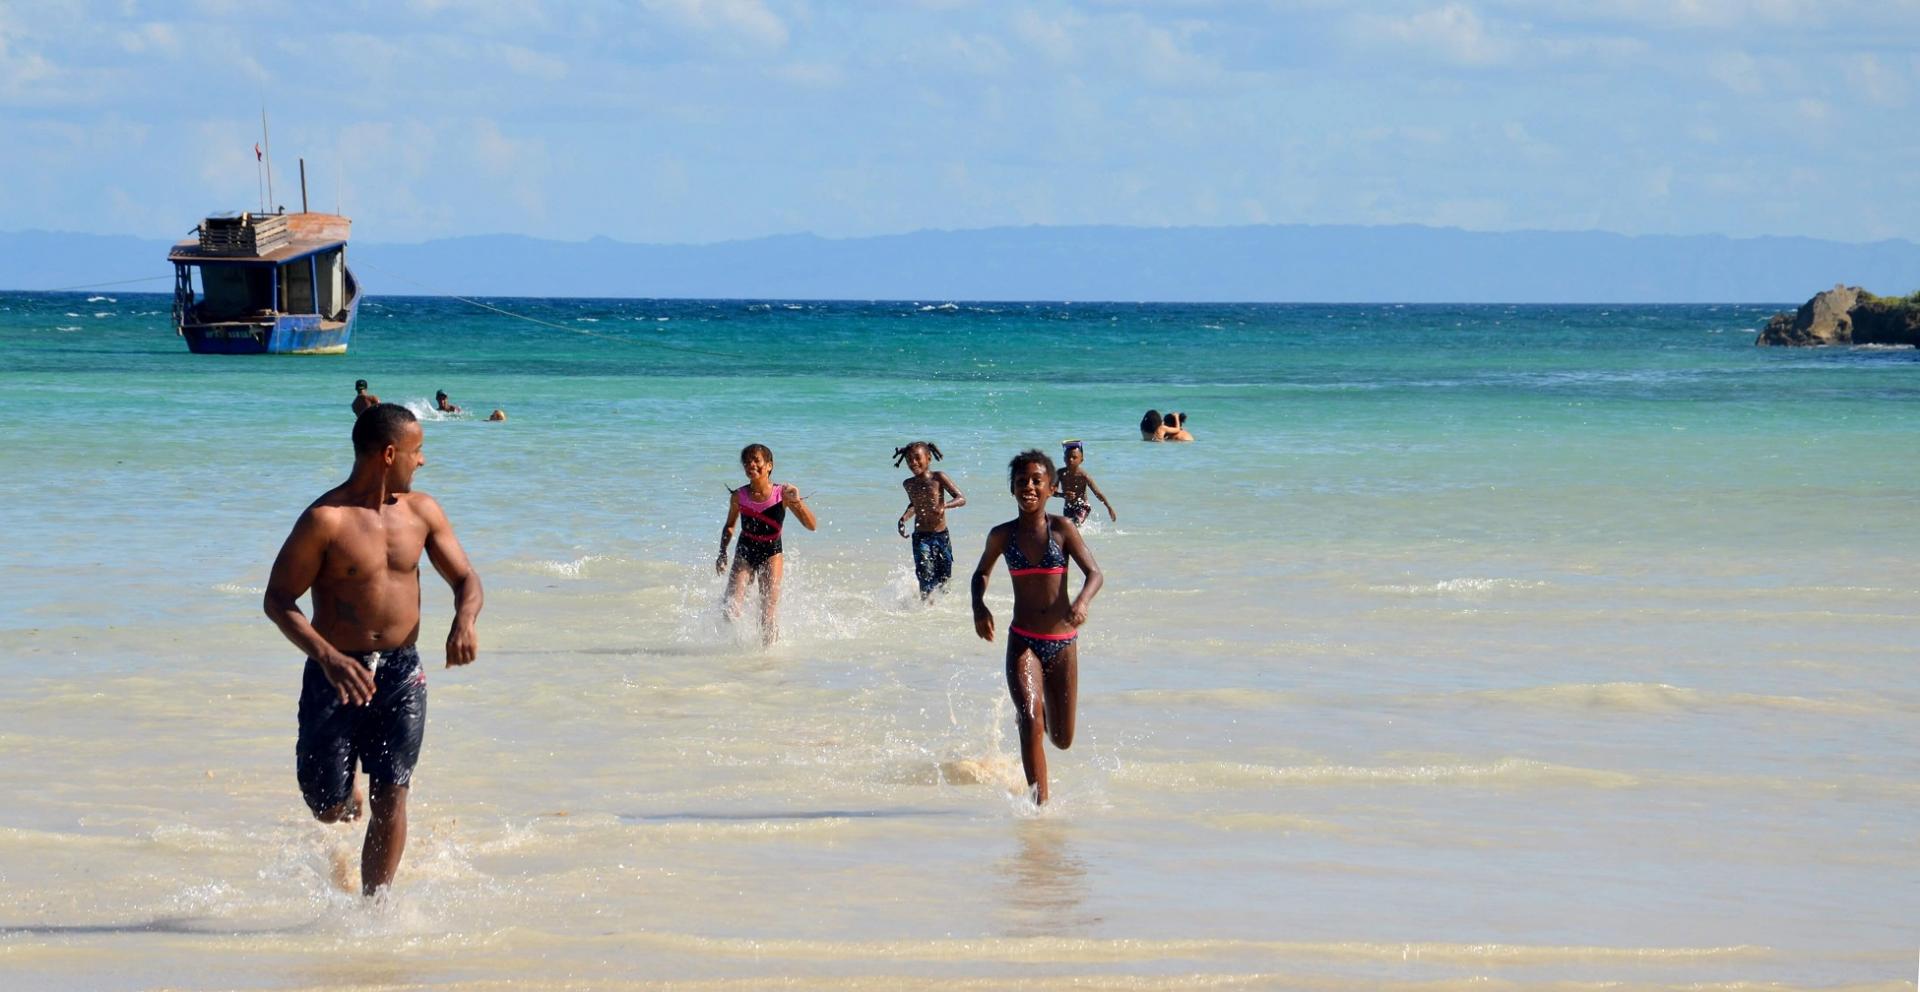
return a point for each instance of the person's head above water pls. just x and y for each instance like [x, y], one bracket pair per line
[917, 454]
[1072, 453]
[1150, 426]
[389, 435]
[359, 385]
[441, 395]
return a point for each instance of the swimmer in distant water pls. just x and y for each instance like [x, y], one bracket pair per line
[760, 508]
[361, 398]
[497, 415]
[1154, 427]
[1074, 483]
[927, 504]
[1042, 650]
[363, 697]
[441, 404]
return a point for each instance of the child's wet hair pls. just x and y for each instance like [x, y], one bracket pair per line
[900, 454]
[755, 449]
[1031, 456]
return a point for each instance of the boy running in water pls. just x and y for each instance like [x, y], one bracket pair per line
[1074, 484]
[927, 504]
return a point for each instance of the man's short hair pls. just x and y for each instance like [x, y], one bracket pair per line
[359, 383]
[441, 395]
[380, 425]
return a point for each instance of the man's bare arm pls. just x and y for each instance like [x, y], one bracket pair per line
[450, 560]
[294, 570]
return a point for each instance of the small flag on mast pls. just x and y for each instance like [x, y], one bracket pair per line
[256, 151]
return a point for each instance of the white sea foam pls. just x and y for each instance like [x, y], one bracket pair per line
[574, 569]
[1458, 587]
[1504, 772]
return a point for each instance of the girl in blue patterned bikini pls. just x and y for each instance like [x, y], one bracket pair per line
[1042, 656]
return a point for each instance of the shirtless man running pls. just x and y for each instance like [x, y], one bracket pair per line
[364, 694]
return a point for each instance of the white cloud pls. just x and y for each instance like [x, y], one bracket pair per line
[154, 36]
[1160, 53]
[1453, 33]
[1713, 13]
[810, 75]
[1876, 81]
[1738, 72]
[527, 62]
[744, 25]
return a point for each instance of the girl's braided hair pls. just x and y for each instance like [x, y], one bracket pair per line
[900, 454]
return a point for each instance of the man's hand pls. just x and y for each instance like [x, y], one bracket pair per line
[903, 527]
[349, 678]
[983, 624]
[462, 645]
[1078, 616]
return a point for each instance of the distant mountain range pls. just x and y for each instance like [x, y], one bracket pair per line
[1268, 263]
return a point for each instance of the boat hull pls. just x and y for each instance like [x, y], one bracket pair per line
[285, 334]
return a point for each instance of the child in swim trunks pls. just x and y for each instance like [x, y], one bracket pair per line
[760, 508]
[1042, 654]
[927, 504]
[1074, 484]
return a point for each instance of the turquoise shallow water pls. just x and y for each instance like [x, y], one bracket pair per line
[1533, 644]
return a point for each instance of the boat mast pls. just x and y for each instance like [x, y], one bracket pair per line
[268, 140]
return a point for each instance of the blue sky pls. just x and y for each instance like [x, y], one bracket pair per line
[706, 120]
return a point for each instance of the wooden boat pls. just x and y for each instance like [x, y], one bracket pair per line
[265, 284]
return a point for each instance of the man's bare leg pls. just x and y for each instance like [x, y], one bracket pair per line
[386, 838]
[346, 812]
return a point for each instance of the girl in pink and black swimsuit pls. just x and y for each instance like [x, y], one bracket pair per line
[760, 508]
[1043, 655]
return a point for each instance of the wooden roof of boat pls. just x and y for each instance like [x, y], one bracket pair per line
[310, 232]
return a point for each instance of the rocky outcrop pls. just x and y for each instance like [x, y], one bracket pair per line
[1846, 315]
[1883, 321]
[1825, 319]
